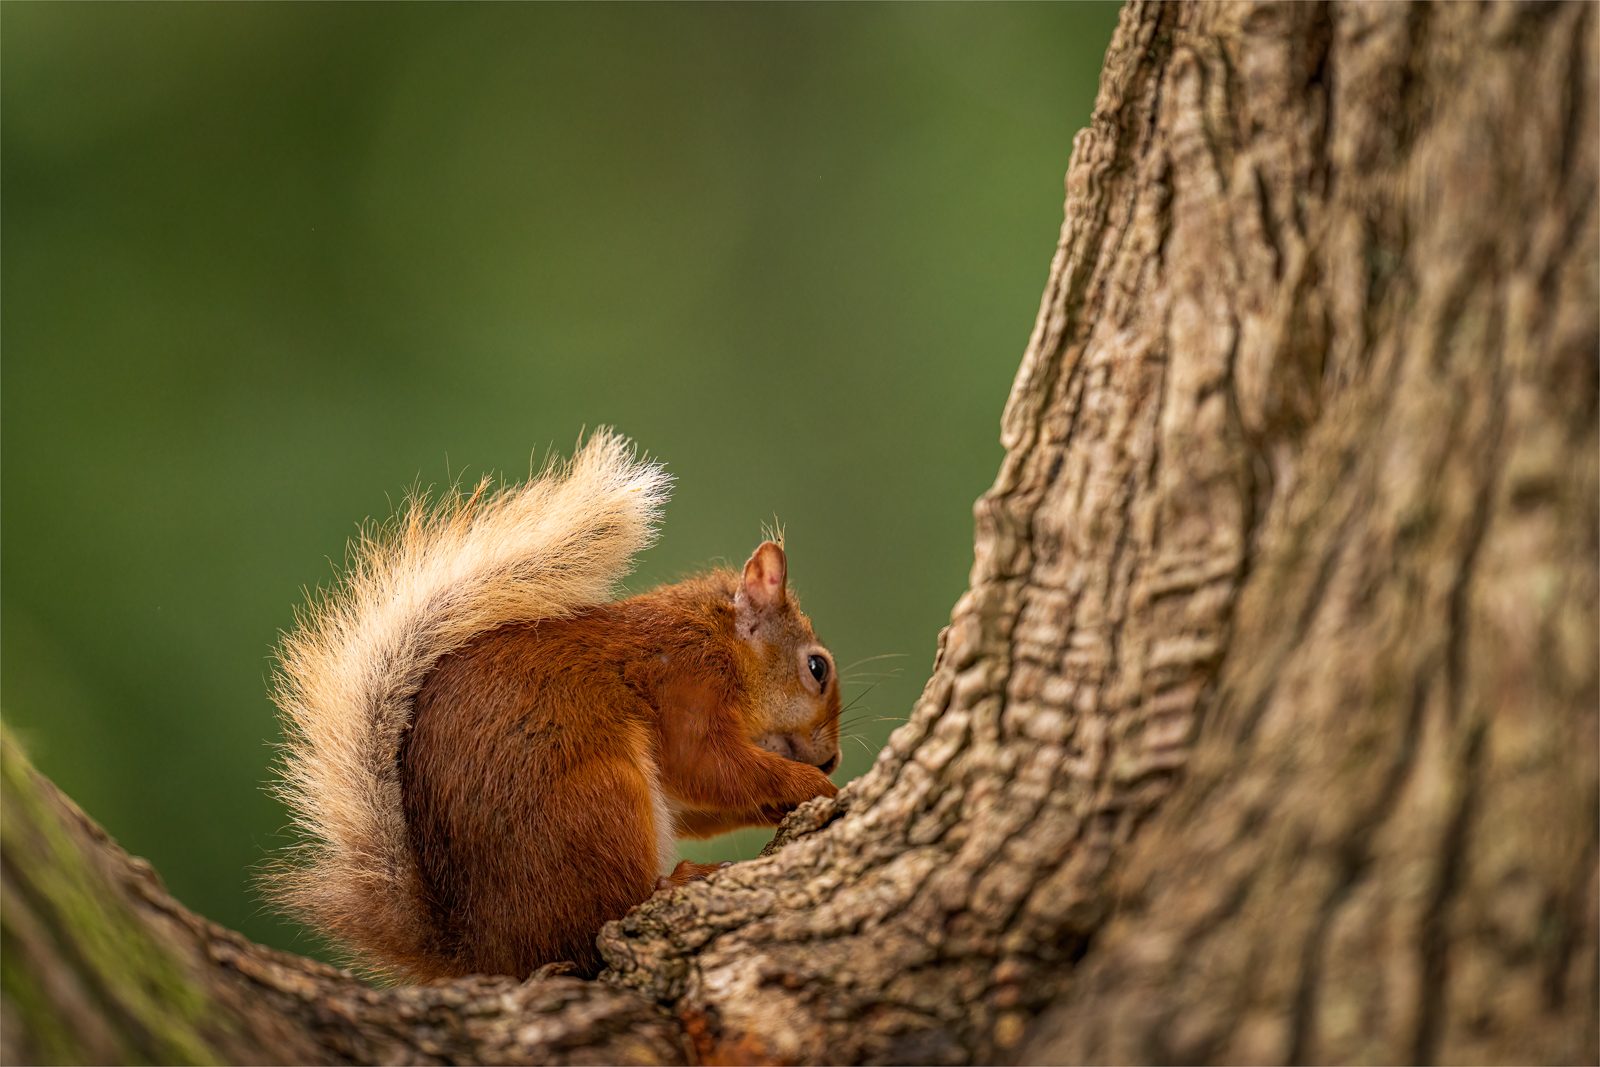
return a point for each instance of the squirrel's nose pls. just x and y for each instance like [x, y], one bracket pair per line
[830, 764]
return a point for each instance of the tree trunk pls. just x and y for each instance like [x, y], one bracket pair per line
[1269, 727]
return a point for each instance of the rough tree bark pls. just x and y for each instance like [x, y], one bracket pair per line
[1267, 729]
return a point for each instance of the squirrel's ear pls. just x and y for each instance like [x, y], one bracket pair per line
[766, 574]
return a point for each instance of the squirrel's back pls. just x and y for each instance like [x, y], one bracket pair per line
[412, 594]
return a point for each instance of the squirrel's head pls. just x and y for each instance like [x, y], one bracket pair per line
[794, 677]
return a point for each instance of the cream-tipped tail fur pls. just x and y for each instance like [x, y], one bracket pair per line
[413, 592]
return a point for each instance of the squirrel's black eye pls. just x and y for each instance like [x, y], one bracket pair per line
[819, 669]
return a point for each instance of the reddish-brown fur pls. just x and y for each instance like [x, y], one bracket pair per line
[528, 772]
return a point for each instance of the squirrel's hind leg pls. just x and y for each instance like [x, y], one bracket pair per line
[688, 871]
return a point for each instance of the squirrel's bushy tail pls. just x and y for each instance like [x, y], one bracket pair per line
[412, 593]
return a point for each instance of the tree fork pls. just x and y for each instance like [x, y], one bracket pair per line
[1268, 726]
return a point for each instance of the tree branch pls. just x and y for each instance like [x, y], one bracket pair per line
[102, 966]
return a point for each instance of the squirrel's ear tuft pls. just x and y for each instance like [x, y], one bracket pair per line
[764, 586]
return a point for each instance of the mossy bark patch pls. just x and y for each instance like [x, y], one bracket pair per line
[72, 940]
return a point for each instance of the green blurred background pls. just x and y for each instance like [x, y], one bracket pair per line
[265, 267]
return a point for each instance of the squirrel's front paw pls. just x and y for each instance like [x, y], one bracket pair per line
[774, 814]
[816, 785]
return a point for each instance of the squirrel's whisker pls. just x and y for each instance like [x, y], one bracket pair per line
[869, 659]
[880, 675]
[857, 698]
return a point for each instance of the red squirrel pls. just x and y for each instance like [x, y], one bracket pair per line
[487, 758]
